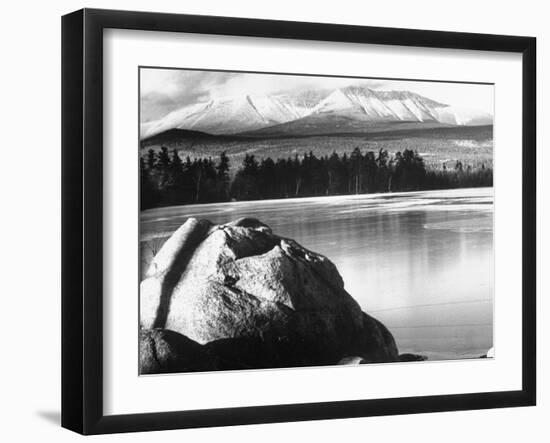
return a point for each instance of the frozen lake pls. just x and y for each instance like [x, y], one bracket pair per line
[421, 262]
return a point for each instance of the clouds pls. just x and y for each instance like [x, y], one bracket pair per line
[166, 90]
[459, 95]
[277, 84]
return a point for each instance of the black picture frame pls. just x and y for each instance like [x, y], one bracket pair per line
[82, 216]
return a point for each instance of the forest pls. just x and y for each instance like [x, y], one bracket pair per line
[166, 179]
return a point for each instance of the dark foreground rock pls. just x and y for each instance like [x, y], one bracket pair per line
[239, 296]
[163, 350]
[412, 357]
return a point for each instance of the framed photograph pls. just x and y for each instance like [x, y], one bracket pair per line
[271, 221]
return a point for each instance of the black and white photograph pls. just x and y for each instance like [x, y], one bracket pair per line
[233, 222]
[299, 220]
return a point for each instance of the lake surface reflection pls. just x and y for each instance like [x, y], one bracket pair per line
[420, 262]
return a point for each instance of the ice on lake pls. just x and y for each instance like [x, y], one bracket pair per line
[421, 262]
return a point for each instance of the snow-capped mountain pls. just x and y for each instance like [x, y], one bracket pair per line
[367, 104]
[353, 107]
[231, 115]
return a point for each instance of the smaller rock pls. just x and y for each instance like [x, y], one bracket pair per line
[162, 351]
[377, 343]
[250, 222]
[355, 360]
[412, 357]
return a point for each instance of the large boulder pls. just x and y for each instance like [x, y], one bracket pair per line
[255, 299]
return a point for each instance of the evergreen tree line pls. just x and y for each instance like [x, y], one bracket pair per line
[168, 180]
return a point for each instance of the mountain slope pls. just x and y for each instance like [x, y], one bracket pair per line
[369, 105]
[351, 109]
[232, 114]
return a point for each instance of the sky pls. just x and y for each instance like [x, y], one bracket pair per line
[165, 90]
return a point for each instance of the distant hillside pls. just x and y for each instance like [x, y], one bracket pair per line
[320, 124]
[171, 135]
[438, 145]
[181, 137]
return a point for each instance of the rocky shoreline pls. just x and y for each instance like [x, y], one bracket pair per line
[238, 296]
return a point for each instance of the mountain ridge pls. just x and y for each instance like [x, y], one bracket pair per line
[352, 108]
